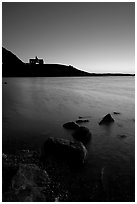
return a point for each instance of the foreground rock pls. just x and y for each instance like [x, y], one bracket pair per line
[10, 164]
[82, 134]
[74, 152]
[71, 125]
[106, 120]
[23, 179]
[82, 121]
[30, 184]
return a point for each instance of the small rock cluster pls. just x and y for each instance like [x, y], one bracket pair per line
[81, 136]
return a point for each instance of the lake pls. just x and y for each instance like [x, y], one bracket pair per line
[34, 109]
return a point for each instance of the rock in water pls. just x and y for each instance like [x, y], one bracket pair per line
[106, 120]
[122, 136]
[82, 134]
[23, 178]
[71, 125]
[116, 113]
[30, 184]
[82, 121]
[66, 149]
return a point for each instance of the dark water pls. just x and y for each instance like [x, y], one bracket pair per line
[36, 108]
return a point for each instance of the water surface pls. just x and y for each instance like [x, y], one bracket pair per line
[36, 108]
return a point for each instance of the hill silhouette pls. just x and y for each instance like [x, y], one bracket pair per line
[12, 66]
[9, 58]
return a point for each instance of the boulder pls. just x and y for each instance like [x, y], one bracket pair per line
[106, 120]
[69, 150]
[23, 179]
[82, 134]
[30, 184]
[116, 113]
[71, 125]
[82, 121]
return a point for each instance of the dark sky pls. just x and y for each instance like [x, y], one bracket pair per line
[96, 37]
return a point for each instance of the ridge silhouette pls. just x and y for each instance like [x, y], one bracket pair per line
[12, 66]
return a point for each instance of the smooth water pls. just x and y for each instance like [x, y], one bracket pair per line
[35, 108]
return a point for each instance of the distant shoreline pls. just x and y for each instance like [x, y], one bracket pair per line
[90, 75]
[12, 66]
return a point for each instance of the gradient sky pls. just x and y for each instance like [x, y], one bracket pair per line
[95, 37]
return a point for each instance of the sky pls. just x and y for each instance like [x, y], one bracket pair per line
[93, 36]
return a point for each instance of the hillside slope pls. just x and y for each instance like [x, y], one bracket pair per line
[13, 66]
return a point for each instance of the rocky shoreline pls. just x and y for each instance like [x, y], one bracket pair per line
[48, 175]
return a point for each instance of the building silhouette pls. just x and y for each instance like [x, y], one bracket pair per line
[36, 61]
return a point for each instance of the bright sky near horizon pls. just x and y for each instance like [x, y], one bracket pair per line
[94, 36]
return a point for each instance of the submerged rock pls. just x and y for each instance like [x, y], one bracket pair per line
[106, 120]
[120, 125]
[80, 117]
[116, 113]
[66, 149]
[122, 136]
[82, 134]
[82, 121]
[71, 125]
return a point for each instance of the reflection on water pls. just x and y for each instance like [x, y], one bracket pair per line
[36, 108]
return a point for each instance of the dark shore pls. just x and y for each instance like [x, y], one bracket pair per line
[54, 172]
[47, 175]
